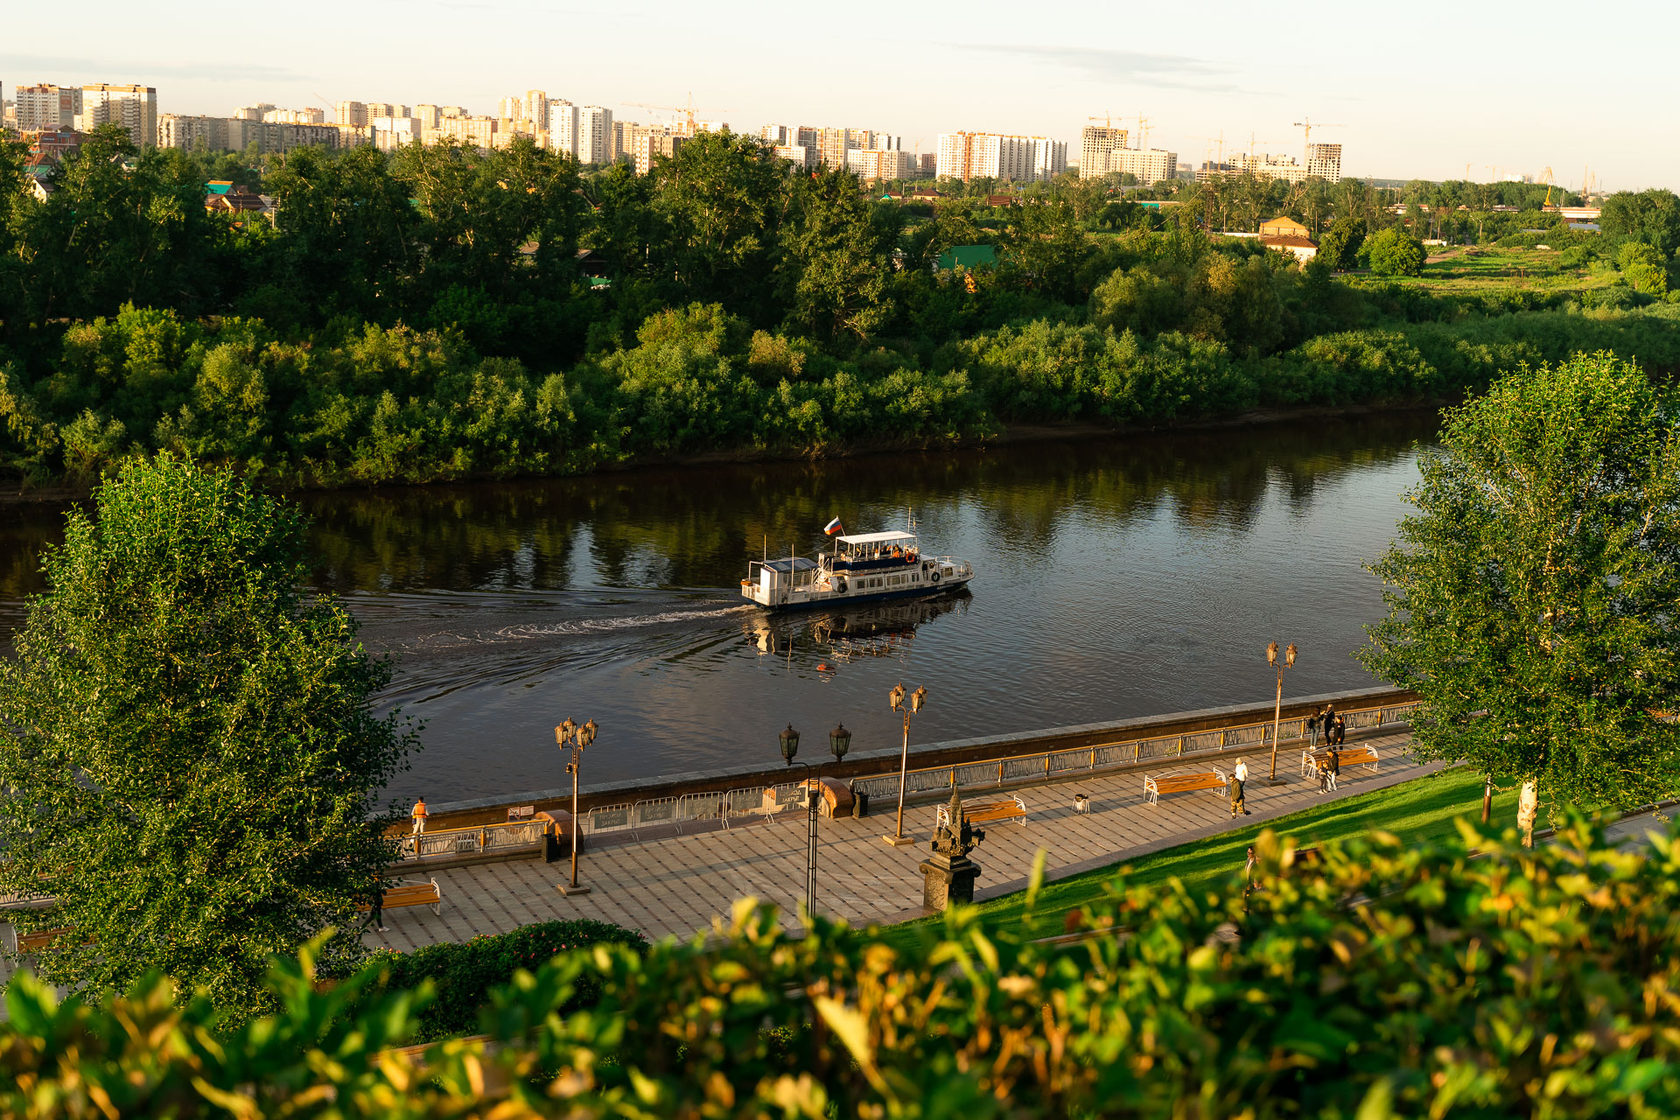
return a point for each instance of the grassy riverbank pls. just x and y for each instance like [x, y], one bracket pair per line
[1422, 809]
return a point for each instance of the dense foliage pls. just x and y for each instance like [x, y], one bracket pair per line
[444, 313]
[1386, 980]
[1531, 598]
[463, 975]
[188, 754]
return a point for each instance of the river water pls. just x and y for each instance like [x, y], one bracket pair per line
[1118, 577]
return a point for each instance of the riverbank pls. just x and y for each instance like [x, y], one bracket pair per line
[1010, 436]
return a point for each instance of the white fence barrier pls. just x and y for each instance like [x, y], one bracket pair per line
[696, 811]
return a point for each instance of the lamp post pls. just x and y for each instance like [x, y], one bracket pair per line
[575, 736]
[897, 698]
[1277, 711]
[839, 741]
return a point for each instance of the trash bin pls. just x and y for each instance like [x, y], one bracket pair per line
[860, 803]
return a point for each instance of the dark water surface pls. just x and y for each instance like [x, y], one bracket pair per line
[1114, 578]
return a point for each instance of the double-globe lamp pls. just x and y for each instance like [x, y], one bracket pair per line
[839, 742]
[575, 736]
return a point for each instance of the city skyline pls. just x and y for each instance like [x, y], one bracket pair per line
[1482, 97]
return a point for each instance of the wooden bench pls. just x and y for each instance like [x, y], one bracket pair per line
[410, 894]
[1345, 756]
[1153, 788]
[18, 943]
[1009, 809]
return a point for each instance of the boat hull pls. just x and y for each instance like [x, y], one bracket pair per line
[799, 600]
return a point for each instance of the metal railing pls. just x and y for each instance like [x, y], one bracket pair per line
[695, 812]
[475, 840]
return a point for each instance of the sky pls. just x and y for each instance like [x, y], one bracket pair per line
[1473, 89]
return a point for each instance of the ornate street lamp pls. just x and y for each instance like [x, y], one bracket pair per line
[576, 737]
[839, 742]
[897, 699]
[1277, 711]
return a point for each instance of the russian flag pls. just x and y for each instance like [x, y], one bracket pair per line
[833, 527]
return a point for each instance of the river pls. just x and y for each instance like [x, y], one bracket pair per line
[1115, 577]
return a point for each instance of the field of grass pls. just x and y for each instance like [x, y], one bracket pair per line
[1482, 269]
[1419, 810]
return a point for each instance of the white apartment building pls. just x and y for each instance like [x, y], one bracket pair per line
[296, 116]
[41, 107]
[1325, 161]
[1148, 165]
[235, 134]
[132, 107]
[475, 132]
[991, 155]
[874, 164]
[252, 112]
[386, 109]
[562, 126]
[595, 135]
[391, 133]
[1096, 143]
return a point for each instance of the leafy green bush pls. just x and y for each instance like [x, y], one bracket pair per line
[463, 975]
[1393, 252]
[1383, 980]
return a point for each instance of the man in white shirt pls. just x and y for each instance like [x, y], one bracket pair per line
[1239, 778]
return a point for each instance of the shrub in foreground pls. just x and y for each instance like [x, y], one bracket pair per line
[1383, 980]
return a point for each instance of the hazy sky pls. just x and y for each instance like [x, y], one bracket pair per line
[1410, 91]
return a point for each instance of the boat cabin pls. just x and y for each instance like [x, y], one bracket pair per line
[867, 551]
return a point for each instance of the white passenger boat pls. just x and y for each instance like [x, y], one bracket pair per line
[869, 566]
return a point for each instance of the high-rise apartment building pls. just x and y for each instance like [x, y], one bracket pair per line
[427, 115]
[1096, 142]
[1148, 165]
[1325, 161]
[46, 106]
[296, 116]
[235, 134]
[655, 142]
[476, 132]
[562, 126]
[252, 112]
[595, 135]
[990, 155]
[351, 113]
[874, 164]
[132, 107]
[391, 133]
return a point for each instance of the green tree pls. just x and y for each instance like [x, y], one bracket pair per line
[1651, 216]
[1394, 252]
[1339, 247]
[724, 197]
[1531, 599]
[838, 246]
[187, 747]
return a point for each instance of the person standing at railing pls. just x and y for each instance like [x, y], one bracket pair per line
[419, 815]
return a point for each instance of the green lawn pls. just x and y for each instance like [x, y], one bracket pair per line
[1486, 269]
[1421, 809]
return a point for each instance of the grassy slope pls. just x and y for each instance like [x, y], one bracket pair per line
[1422, 809]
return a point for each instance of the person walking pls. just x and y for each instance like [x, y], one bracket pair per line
[1239, 778]
[377, 907]
[1323, 776]
[419, 815]
[1334, 765]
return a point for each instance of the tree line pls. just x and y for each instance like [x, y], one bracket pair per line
[445, 313]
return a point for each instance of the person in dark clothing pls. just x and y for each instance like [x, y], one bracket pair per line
[1339, 731]
[376, 918]
[1312, 730]
[1335, 767]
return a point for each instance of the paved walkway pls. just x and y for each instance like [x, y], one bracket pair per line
[678, 885]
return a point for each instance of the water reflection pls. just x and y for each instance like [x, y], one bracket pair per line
[828, 639]
[1115, 577]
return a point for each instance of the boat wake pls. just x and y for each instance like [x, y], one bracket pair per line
[536, 631]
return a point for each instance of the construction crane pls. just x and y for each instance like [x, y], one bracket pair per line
[1143, 131]
[1106, 118]
[1546, 178]
[686, 110]
[1307, 125]
[1220, 140]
